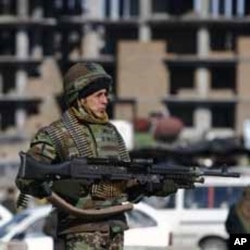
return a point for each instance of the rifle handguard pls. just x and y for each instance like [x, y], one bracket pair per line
[102, 213]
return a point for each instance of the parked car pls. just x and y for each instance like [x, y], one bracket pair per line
[146, 229]
[28, 226]
[5, 215]
[196, 216]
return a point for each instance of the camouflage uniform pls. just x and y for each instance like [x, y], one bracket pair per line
[80, 133]
[237, 221]
[101, 139]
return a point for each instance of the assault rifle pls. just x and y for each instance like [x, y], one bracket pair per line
[92, 170]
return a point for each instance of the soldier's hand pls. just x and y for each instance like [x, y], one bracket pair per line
[166, 188]
[41, 190]
[132, 183]
[169, 187]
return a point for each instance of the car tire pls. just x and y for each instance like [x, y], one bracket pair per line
[213, 244]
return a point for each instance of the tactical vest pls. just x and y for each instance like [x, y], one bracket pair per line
[71, 139]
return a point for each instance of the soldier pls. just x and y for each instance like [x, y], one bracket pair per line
[84, 130]
[238, 219]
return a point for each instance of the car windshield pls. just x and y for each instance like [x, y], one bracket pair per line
[4, 229]
[211, 197]
[161, 202]
[137, 219]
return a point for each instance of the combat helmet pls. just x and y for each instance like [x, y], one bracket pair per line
[84, 78]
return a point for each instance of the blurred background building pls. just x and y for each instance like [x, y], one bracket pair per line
[188, 58]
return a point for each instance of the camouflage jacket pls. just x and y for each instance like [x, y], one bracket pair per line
[102, 140]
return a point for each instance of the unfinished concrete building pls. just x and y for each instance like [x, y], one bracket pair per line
[190, 58]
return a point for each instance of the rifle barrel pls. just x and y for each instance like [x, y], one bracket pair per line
[222, 173]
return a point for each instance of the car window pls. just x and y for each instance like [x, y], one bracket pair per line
[137, 219]
[226, 195]
[161, 202]
[4, 229]
[211, 197]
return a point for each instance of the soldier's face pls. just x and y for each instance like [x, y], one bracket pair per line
[97, 102]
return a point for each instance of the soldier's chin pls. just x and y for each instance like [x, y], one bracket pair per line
[100, 115]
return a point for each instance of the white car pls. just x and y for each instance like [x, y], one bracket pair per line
[28, 226]
[196, 217]
[146, 229]
[5, 215]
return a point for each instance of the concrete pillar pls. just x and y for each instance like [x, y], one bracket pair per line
[21, 80]
[203, 42]
[22, 50]
[90, 42]
[71, 4]
[144, 33]
[240, 8]
[228, 8]
[37, 49]
[202, 74]
[202, 120]
[203, 34]
[1, 83]
[95, 9]
[145, 12]
[215, 8]
[126, 13]
[202, 115]
[202, 82]
[20, 115]
[37, 12]
[197, 6]
[114, 9]
[22, 8]
[204, 8]
[20, 118]
[22, 44]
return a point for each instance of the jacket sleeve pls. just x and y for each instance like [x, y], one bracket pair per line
[42, 149]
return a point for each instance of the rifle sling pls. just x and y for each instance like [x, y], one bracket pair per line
[102, 213]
